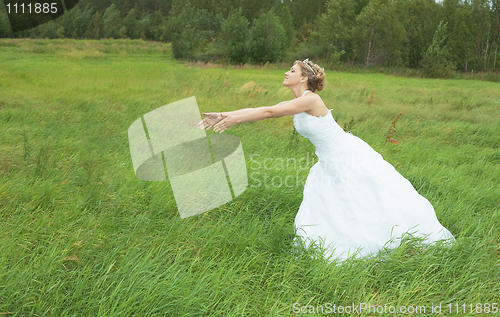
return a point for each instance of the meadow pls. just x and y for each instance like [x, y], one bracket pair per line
[81, 235]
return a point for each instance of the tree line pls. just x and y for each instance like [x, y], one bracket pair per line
[438, 37]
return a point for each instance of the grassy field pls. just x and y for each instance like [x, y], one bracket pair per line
[82, 236]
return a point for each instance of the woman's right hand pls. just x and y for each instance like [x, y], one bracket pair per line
[210, 120]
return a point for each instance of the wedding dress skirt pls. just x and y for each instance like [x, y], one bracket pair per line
[355, 203]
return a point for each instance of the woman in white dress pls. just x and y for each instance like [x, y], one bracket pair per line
[355, 203]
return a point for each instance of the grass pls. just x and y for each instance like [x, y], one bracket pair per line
[82, 236]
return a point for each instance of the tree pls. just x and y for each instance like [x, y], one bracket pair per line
[234, 36]
[95, 29]
[420, 19]
[130, 24]
[60, 32]
[82, 21]
[252, 9]
[496, 32]
[144, 27]
[66, 21]
[267, 39]
[48, 30]
[460, 32]
[380, 33]
[111, 22]
[158, 26]
[306, 11]
[76, 22]
[5, 29]
[191, 29]
[286, 19]
[437, 61]
[336, 31]
[483, 22]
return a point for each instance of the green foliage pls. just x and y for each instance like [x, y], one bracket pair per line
[5, 29]
[82, 21]
[437, 62]
[159, 27]
[461, 32]
[234, 37]
[336, 31]
[191, 29]
[130, 24]
[267, 39]
[379, 33]
[286, 20]
[306, 12]
[77, 22]
[419, 18]
[112, 22]
[60, 32]
[340, 33]
[144, 27]
[95, 30]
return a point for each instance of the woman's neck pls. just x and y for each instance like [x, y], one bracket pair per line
[299, 91]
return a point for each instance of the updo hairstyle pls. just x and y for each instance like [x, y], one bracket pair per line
[316, 79]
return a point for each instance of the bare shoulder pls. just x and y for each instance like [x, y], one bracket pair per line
[318, 107]
[313, 96]
[310, 103]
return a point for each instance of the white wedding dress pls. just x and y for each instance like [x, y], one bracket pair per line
[355, 203]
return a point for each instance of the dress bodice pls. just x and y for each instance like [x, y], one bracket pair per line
[323, 132]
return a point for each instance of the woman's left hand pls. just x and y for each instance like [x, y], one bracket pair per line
[228, 121]
[210, 120]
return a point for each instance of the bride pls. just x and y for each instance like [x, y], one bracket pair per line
[355, 203]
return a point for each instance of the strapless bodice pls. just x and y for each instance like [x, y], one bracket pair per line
[323, 132]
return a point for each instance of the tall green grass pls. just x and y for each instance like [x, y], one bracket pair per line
[82, 236]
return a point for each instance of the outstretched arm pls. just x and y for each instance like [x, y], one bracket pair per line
[239, 112]
[285, 108]
[212, 118]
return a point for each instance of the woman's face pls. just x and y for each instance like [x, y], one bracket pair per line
[293, 76]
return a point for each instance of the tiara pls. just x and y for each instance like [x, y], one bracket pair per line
[306, 61]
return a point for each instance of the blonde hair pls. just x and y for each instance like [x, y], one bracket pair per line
[315, 74]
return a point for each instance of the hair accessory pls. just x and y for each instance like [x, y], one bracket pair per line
[306, 61]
